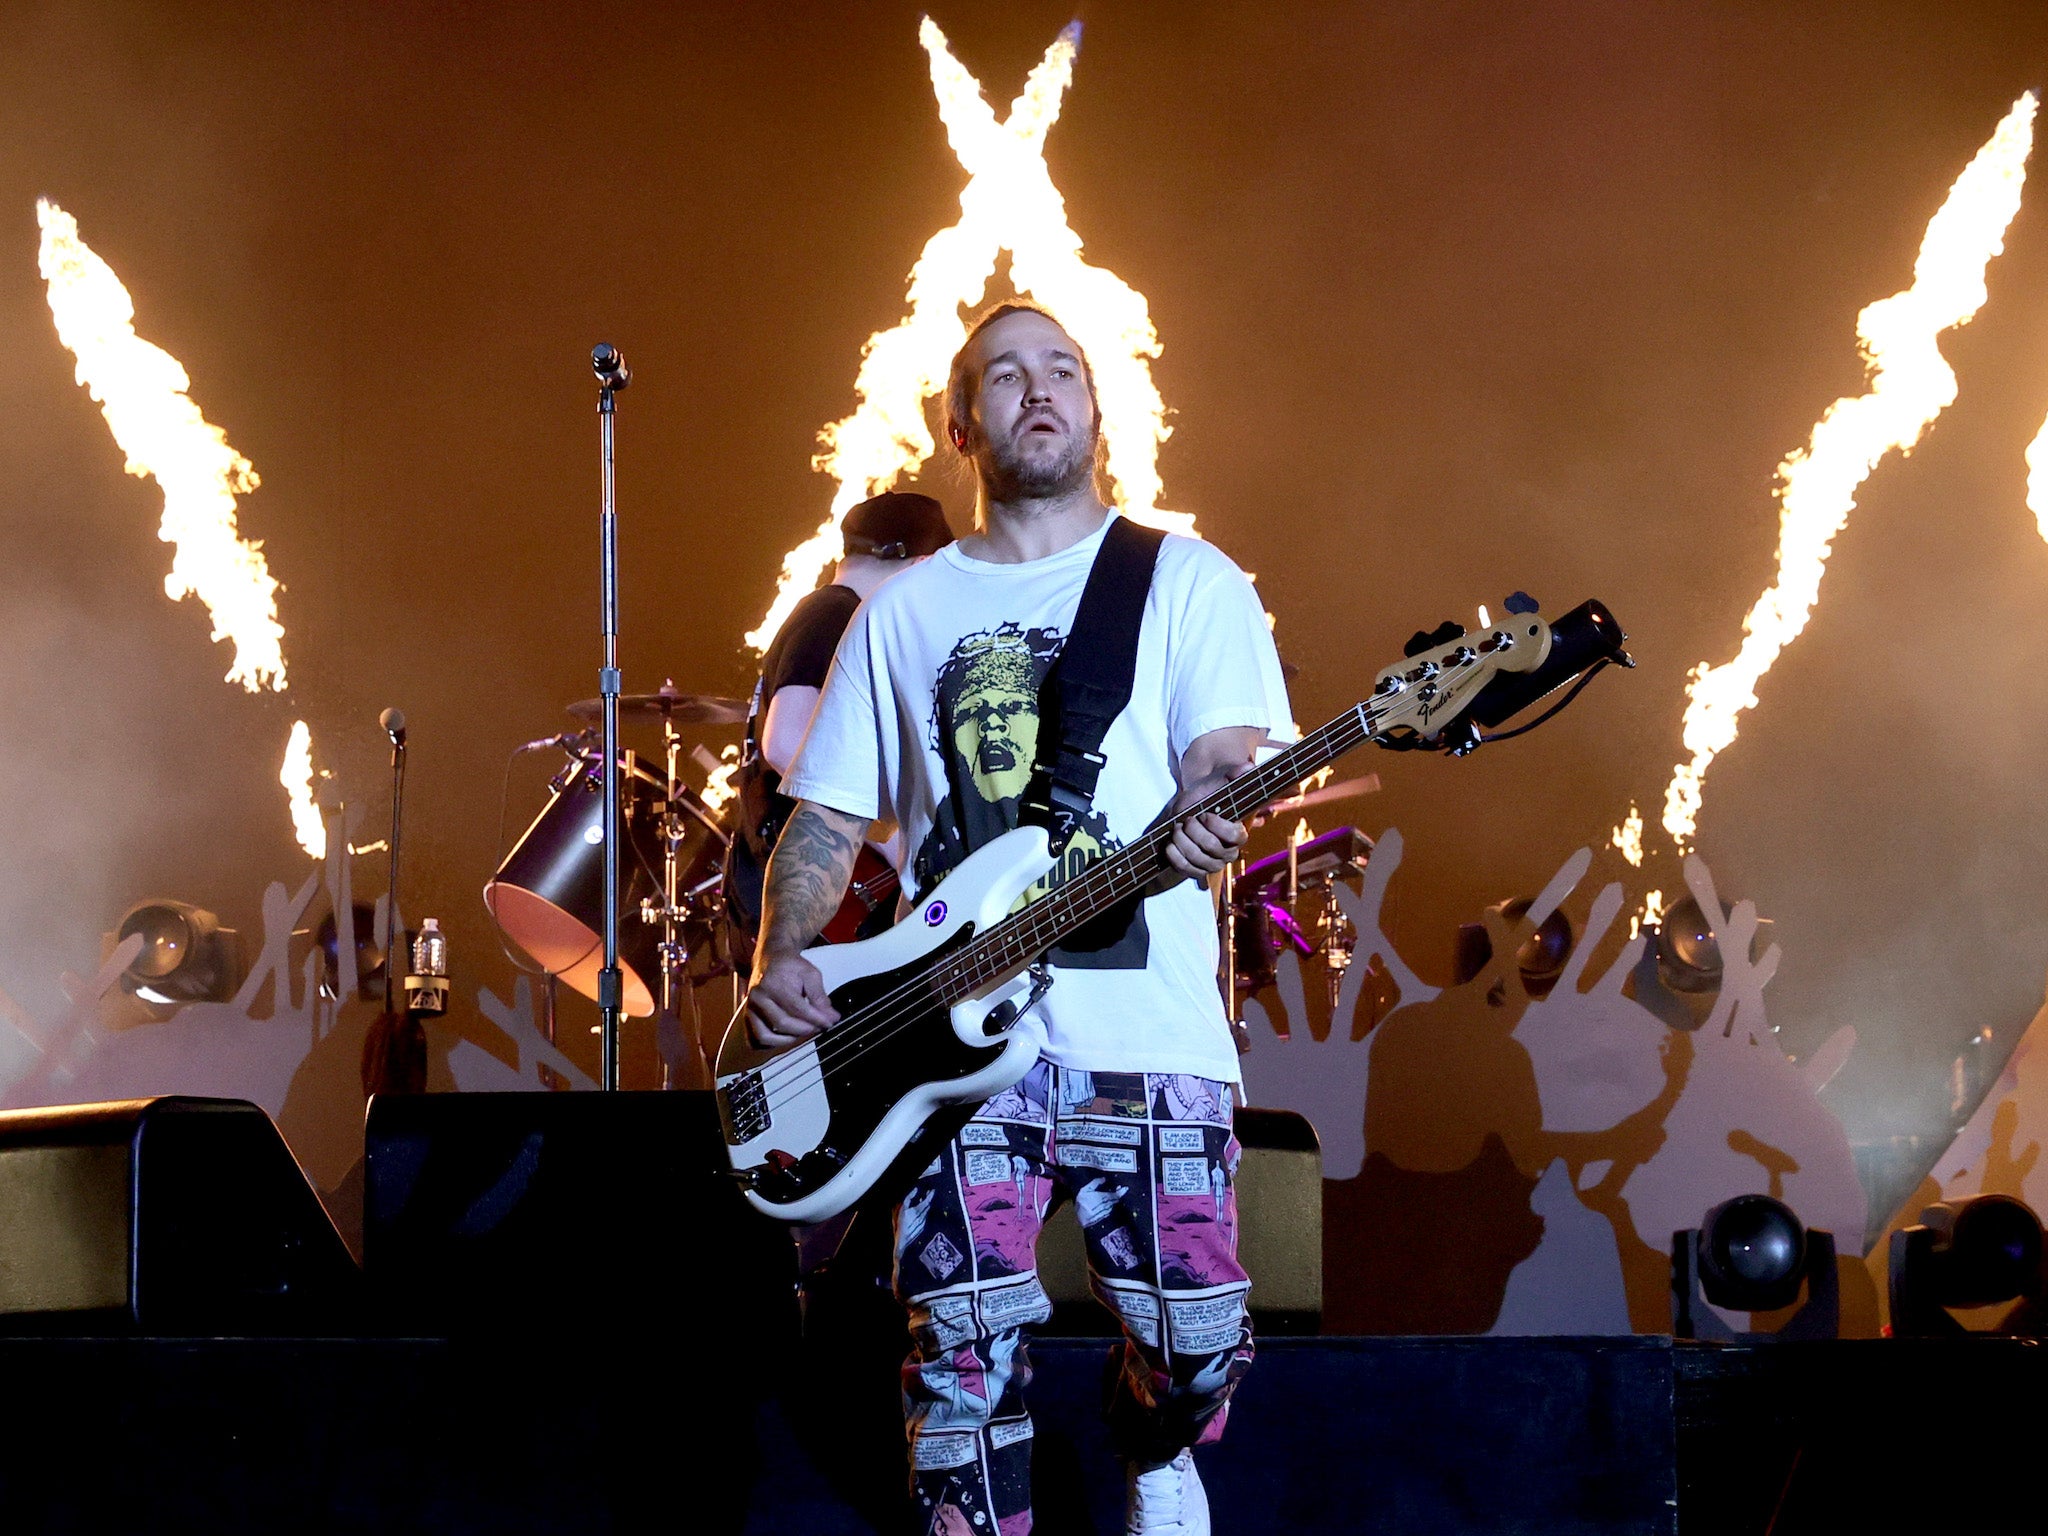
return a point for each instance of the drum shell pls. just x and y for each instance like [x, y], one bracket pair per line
[548, 894]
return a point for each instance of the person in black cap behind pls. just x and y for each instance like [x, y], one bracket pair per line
[883, 535]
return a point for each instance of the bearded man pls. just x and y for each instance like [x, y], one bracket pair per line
[929, 717]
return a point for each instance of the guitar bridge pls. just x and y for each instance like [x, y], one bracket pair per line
[743, 1106]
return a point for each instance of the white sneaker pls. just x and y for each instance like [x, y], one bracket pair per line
[1166, 1500]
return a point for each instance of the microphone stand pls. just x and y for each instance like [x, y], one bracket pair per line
[394, 931]
[612, 376]
[394, 1049]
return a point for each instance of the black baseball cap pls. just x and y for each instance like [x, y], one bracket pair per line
[896, 525]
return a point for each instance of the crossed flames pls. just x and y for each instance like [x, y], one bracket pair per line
[1010, 204]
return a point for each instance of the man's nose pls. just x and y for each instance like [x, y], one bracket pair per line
[1037, 390]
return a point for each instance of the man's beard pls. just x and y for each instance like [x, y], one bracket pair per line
[1009, 477]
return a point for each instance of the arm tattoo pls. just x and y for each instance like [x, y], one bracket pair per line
[808, 874]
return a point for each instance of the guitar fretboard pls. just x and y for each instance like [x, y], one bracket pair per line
[1021, 938]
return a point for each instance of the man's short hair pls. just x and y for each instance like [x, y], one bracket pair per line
[960, 385]
[896, 525]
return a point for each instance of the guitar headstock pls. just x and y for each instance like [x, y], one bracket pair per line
[1434, 685]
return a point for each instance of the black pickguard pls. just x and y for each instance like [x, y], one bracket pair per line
[904, 1045]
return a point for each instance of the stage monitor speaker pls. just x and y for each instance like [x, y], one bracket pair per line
[569, 1211]
[1279, 1234]
[165, 1216]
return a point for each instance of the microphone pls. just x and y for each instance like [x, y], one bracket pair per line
[609, 364]
[565, 739]
[393, 721]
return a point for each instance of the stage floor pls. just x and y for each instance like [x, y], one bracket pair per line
[534, 1434]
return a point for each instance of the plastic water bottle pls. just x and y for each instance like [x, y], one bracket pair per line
[426, 989]
[430, 949]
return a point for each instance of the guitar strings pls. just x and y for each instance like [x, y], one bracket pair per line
[1025, 935]
[886, 1016]
[889, 1015]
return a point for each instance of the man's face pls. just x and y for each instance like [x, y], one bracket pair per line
[995, 731]
[1033, 428]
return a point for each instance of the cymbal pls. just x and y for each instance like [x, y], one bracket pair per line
[668, 704]
[1343, 789]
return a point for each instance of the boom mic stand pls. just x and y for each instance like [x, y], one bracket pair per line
[612, 376]
[393, 723]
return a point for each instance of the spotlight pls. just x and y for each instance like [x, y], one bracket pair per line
[1688, 954]
[1964, 1254]
[1540, 957]
[186, 956]
[1679, 976]
[369, 957]
[1752, 1254]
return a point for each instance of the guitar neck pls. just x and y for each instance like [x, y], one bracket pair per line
[1020, 939]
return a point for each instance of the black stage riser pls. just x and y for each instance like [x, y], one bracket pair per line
[1417, 1436]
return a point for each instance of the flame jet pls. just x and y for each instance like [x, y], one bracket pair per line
[1009, 204]
[1911, 384]
[2037, 478]
[141, 390]
[297, 778]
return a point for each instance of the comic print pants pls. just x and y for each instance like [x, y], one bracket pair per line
[1148, 1160]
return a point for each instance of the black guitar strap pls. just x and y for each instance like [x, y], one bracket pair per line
[1090, 683]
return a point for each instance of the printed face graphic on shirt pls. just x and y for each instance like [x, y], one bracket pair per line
[984, 726]
[995, 716]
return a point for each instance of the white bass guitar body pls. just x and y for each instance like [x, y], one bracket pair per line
[810, 1128]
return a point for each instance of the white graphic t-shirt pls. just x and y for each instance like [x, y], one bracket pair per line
[930, 716]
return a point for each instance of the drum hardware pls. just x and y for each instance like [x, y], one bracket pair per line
[683, 1060]
[1337, 938]
[668, 706]
[1259, 922]
[546, 895]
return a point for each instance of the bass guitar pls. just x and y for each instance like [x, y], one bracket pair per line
[938, 1010]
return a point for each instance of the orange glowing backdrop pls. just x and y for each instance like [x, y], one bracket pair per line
[1436, 305]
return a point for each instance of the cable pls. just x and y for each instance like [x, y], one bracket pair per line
[1577, 688]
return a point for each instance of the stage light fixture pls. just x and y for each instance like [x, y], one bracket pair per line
[369, 954]
[1688, 953]
[1964, 1254]
[1682, 968]
[1752, 1254]
[186, 956]
[1540, 957]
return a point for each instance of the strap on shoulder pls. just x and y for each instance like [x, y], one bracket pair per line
[1090, 683]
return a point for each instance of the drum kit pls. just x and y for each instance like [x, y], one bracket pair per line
[1288, 901]
[547, 896]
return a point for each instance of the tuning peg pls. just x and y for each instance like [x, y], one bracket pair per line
[1429, 640]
